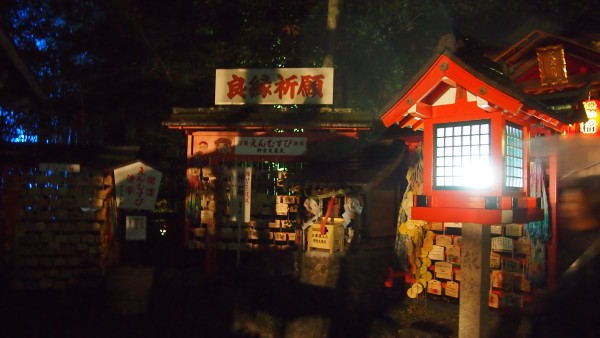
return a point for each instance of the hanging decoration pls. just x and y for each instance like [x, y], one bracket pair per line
[193, 199]
[109, 230]
[536, 272]
[539, 232]
[412, 235]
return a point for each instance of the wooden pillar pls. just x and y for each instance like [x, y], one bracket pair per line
[475, 281]
[552, 203]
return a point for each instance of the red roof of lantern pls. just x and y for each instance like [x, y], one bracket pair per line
[486, 84]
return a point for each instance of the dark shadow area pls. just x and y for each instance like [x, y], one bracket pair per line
[185, 301]
[430, 327]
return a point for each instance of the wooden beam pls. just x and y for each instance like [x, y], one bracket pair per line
[417, 125]
[424, 110]
[405, 120]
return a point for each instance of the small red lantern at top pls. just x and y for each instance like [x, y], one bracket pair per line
[591, 125]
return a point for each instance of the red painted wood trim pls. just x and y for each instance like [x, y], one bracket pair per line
[445, 67]
[479, 216]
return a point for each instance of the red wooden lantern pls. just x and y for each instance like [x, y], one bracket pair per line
[475, 132]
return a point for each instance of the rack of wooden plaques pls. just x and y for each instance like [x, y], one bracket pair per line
[58, 239]
[509, 259]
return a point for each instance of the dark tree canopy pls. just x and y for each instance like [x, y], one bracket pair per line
[113, 69]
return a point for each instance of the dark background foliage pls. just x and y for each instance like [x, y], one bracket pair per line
[114, 69]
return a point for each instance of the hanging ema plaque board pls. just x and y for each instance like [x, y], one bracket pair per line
[136, 186]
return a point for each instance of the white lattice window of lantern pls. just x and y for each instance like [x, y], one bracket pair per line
[514, 156]
[462, 155]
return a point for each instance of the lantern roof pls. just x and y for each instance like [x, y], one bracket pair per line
[485, 83]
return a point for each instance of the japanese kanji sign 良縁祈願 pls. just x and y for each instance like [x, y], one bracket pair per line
[274, 86]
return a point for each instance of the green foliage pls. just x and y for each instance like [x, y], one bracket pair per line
[114, 69]
[13, 124]
[380, 44]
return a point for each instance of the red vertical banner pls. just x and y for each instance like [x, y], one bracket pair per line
[327, 213]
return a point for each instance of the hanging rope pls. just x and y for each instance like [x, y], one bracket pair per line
[403, 246]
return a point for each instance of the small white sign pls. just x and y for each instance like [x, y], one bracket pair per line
[135, 228]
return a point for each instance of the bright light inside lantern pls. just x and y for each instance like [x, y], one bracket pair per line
[462, 155]
[478, 176]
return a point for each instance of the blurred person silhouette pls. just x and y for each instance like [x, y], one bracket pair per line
[569, 308]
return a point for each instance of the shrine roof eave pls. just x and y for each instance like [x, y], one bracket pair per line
[479, 70]
[258, 125]
[526, 46]
[254, 117]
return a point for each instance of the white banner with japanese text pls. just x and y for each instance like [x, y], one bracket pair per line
[282, 146]
[247, 193]
[274, 86]
[136, 186]
[241, 194]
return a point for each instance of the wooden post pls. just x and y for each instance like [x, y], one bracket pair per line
[475, 281]
[333, 12]
[552, 202]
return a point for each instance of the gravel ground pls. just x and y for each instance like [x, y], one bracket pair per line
[186, 302]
